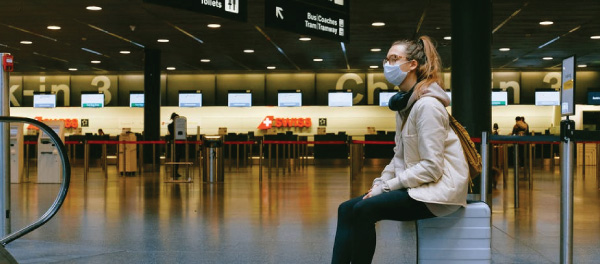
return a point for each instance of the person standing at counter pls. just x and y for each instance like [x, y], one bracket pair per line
[179, 151]
[428, 175]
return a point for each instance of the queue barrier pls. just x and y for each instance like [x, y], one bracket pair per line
[299, 148]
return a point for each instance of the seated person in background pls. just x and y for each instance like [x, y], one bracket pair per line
[495, 127]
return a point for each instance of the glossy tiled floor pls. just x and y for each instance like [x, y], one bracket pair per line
[285, 219]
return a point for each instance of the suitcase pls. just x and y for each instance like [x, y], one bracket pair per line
[464, 236]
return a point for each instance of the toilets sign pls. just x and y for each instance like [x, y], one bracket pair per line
[232, 9]
[323, 18]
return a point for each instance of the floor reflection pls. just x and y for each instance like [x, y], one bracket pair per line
[288, 218]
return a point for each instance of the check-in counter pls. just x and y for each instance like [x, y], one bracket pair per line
[331, 151]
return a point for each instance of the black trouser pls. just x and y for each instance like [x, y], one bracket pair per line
[355, 234]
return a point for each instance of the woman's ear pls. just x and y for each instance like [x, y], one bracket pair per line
[413, 65]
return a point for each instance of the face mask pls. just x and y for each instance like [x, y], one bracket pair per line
[393, 73]
[400, 100]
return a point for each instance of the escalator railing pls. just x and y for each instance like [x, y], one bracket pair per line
[64, 186]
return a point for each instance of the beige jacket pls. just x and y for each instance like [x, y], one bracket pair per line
[428, 158]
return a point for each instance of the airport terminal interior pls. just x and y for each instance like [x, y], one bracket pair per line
[229, 131]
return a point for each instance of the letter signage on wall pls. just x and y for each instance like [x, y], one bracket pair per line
[309, 19]
[270, 122]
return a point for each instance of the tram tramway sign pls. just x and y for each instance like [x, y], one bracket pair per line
[306, 18]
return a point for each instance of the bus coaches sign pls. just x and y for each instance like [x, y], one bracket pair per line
[309, 19]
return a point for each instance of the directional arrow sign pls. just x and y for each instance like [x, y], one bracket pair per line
[307, 19]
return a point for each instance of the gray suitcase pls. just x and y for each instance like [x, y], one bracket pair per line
[462, 237]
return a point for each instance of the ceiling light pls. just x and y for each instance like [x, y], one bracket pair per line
[376, 50]
[582, 65]
[163, 40]
[26, 42]
[317, 59]
[52, 27]
[214, 25]
[248, 51]
[94, 8]
[373, 66]
[504, 49]
[448, 38]
[304, 39]
[125, 52]
[378, 24]
[72, 69]
[204, 60]
[271, 67]
[170, 68]
[546, 23]
[595, 37]
[547, 58]
[95, 61]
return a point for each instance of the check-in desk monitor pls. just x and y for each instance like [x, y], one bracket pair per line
[289, 99]
[239, 99]
[499, 98]
[16, 153]
[92, 100]
[190, 99]
[384, 97]
[593, 97]
[337, 99]
[49, 168]
[136, 99]
[44, 100]
[547, 98]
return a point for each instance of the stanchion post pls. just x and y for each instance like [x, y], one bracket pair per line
[505, 165]
[260, 155]
[104, 160]
[86, 156]
[516, 175]
[153, 156]
[269, 162]
[237, 156]
[582, 158]
[566, 191]
[484, 168]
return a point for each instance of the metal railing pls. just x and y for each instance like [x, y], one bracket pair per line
[64, 186]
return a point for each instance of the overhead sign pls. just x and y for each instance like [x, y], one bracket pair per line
[307, 19]
[232, 9]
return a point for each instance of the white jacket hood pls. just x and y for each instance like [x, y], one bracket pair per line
[433, 90]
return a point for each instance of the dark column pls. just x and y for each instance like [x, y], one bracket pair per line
[471, 66]
[151, 101]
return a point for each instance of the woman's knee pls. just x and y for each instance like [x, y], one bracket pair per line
[345, 208]
[364, 211]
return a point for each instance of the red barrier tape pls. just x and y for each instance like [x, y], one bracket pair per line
[500, 142]
[238, 142]
[147, 142]
[374, 142]
[305, 142]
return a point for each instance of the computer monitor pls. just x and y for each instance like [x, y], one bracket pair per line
[92, 100]
[44, 100]
[499, 98]
[547, 98]
[384, 97]
[593, 97]
[190, 99]
[239, 99]
[289, 98]
[136, 99]
[336, 99]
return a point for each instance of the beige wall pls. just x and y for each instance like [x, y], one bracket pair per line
[353, 120]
